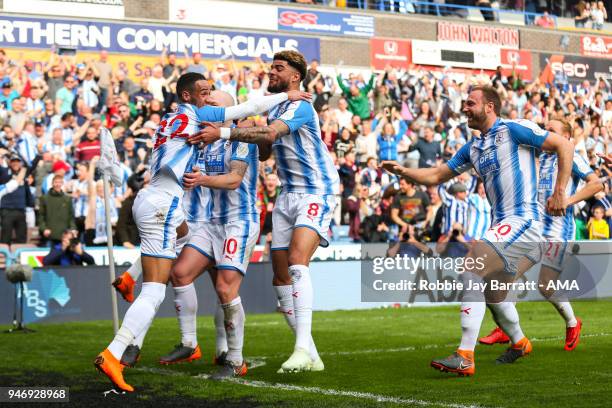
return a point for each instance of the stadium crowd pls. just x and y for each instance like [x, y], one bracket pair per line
[51, 113]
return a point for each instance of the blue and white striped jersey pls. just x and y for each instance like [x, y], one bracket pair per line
[232, 205]
[81, 204]
[455, 210]
[479, 216]
[172, 155]
[304, 164]
[195, 201]
[27, 147]
[559, 227]
[505, 159]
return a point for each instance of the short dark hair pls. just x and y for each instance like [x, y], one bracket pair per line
[187, 82]
[294, 59]
[490, 95]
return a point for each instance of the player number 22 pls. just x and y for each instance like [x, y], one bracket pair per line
[183, 122]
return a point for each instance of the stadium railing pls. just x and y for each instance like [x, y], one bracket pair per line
[472, 13]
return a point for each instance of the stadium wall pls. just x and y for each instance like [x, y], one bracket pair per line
[353, 50]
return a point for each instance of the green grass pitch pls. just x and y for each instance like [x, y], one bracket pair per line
[373, 358]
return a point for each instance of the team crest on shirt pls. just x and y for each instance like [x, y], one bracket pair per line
[160, 216]
[499, 138]
[242, 151]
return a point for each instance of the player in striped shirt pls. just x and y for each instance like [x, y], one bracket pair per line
[479, 212]
[504, 157]
[304, 208]
[158, 208]
[227, 183]
[558, 232]
[454, 198]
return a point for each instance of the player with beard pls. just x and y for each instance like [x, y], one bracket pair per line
[305, 205]
[158, 208]
[558, 233]
[504, 157]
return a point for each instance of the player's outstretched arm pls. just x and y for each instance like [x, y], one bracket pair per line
[427, 177]
[557, 203]
[256, 106]
[593, 186]
[229, 181]
[258, 135]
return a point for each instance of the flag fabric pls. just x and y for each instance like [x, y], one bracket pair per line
[109, 160]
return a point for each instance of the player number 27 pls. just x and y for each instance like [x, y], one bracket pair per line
[178, 132]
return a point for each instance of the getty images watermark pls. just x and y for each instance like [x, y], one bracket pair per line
[412, 273]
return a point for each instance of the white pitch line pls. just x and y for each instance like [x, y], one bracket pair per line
[426, 347]
[315, 390]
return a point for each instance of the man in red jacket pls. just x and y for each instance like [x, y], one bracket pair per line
[90, 147]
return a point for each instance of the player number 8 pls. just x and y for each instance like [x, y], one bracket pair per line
[313, 209]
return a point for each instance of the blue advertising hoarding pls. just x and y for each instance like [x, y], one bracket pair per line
[325, 22]
[26, 32]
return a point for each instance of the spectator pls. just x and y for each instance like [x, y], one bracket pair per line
[409, 206]
[389, 139]
[90, 147]
[105, 74]
[13, 207]
[69, 251]
[312, 74]
[597, 226]
[366, 144]
[357, 99]
[583, 13]
[598, 15]
[196, 65]
[8, 96]
[545, 21]
[127, 230]
[342, 114]
[374, 227]
[410, 244]
[58, 168]
[347, 172]
[65, 96]
[344, 144]
[56, 213]
[429, 150]
[267, 199]
[453, 244]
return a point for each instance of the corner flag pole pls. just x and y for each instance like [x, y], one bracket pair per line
[110, 167]
[111, 258]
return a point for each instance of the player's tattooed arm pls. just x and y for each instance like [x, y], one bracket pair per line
[260, 135]
[229, 181]
[257, 135]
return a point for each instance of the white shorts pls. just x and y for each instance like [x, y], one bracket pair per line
[229, 245]
[157, 214]
[514, 238]
[554, 252]
[294, 210]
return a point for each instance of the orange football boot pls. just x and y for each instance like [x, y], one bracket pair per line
[108, 365]
[460, 362]
[124, 284]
